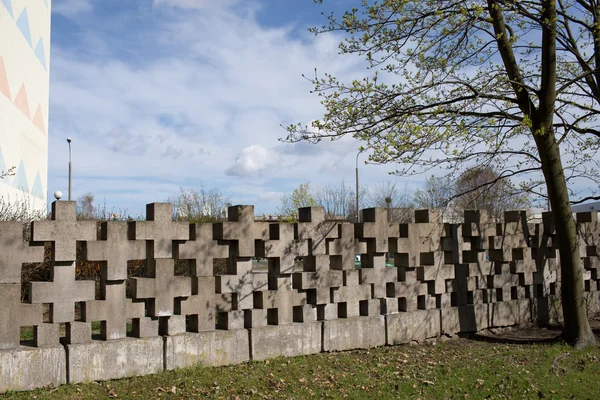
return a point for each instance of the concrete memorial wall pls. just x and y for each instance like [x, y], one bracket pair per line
[446, 279]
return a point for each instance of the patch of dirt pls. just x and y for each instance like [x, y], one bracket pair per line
[518, 335]
[532, 334]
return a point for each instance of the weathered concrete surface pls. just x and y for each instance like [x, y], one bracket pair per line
[215, 348]
[592, 304]
[114, 359]
[353, 333]
[415, 325]
[27, 368]
[287, 340]
[548, 310]
[63, 230]
[463, 319]
[15, 314]
[62, 292]
[441, 282]
[513, 312]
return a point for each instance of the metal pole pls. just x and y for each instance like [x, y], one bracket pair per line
[357, 203]
[70, 167]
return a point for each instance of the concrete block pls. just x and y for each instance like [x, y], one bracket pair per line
[114, 310]
[547, 310]
[173, 325]
[115, 248]
[240, 286]
[312, 225]
[14, 315]
[47, 335]
[203, 249]
[416, 325]
[15, 251]
[342, 249]
[280, 301]
[426, 302]
[161, 287]
[351, 294]
[255, 318]
[144, 327]
[213, 348]
[592, 304]
[289, 340]
[389, 305]
[514, 312]
[463, 319]
[62, 292]
[370, 307]
[63, 230]
[114, 359]
[353, 333]
[232, 320]
[242, 228]
[327, 312]
[307, 313]
[444, 300]
[27, 368]
[78, 332]
[160, 229]
[281, 248]
[524, 312]
[376, 230]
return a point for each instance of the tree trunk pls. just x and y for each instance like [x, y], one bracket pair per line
[577, 329]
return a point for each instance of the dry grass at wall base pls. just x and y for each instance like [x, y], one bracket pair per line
[20, 209]
[456, 369]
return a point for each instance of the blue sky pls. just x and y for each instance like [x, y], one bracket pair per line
[159, 95]
[163, 94]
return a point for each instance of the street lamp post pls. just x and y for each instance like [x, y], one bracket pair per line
[357, 203]
[70, 169]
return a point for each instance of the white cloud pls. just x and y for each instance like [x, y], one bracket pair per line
[271, 196]
[71, 8]
[253, 160]
[200, 99]
[126, 142]
[195, 4]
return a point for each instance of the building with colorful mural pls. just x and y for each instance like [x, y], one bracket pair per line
[24, 96]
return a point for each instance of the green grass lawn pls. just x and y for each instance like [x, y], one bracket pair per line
[456, 369]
